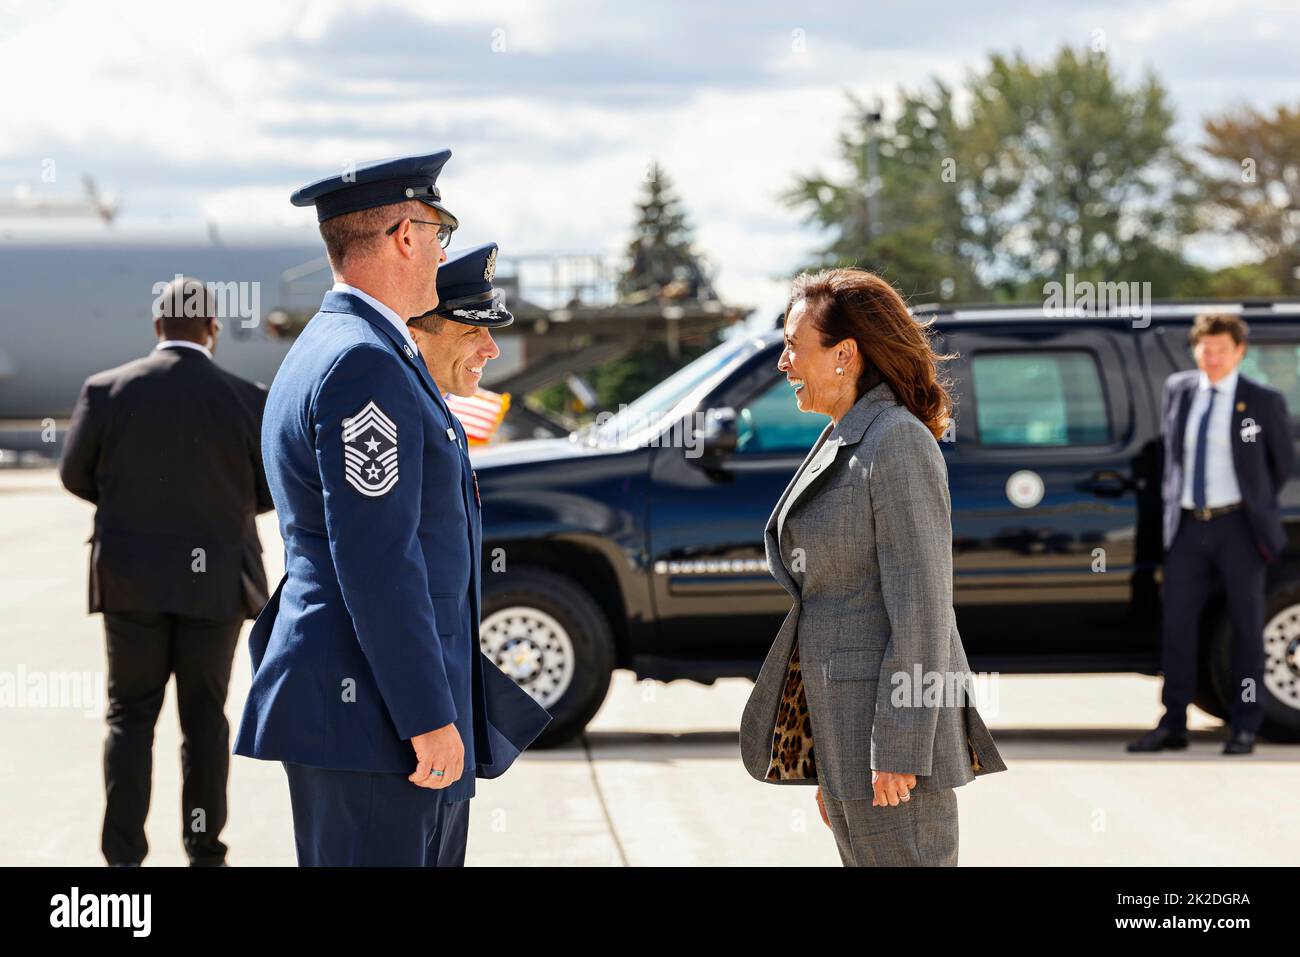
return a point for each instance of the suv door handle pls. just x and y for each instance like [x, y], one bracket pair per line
[1107, 483]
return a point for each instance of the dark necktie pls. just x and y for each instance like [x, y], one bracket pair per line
[1198, 464]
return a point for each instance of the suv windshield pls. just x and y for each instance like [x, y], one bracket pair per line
[631, 423]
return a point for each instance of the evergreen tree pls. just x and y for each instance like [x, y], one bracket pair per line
[661, 264]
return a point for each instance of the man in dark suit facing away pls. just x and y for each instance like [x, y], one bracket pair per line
[168, 449]
[1228, 452]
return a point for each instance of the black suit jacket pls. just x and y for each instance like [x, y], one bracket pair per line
[168, 447]
[1262, 453]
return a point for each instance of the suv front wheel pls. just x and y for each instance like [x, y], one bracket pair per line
[548, 634]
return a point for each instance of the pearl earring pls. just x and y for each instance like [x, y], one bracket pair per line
[839, 370]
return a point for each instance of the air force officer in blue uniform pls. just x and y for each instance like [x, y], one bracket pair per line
[368, 684]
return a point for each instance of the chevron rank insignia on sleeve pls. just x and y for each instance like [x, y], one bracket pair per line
[370, 451]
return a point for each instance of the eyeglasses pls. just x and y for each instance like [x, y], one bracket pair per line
[444, 230]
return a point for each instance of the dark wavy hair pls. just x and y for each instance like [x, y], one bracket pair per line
[859, 305]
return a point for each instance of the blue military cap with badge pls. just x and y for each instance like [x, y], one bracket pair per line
[466, 293]
[378, 183]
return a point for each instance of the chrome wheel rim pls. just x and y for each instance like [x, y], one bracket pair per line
[1282, 656]
[532, 648]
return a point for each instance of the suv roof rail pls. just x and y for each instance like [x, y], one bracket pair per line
[1160, 308]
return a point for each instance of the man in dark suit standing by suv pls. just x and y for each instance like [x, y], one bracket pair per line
[168, 448]
[1228, 452]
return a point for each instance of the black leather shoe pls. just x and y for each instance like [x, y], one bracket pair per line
[1159, 739]
[1241, 742]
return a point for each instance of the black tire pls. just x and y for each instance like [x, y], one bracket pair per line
[1281, 716]
[587, 630]
[1207, 699]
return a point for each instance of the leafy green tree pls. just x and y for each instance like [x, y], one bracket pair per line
[1072, 172]
[1049, 169]
[920, 238]
[1252, 189]
[1243, 281]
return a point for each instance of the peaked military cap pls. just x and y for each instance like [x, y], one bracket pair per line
[378, 183]
[465, 291]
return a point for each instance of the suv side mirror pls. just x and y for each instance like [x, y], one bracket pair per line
[720, 435]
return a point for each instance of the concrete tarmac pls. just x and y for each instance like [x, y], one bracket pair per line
[657, 779]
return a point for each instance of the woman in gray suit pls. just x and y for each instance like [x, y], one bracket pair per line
[866, 690]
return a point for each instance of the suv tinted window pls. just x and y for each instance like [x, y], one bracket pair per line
[1276, 364]
[771, 422]
[1039, 399]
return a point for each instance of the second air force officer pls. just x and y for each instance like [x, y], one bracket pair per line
[368, 684]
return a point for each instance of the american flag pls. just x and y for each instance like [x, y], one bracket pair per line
[480, 413]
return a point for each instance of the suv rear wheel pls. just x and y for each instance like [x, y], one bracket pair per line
[548, 634]
[1280, 694]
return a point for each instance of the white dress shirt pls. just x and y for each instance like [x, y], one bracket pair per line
[1221, 486]
[183, 344]
[383, 310]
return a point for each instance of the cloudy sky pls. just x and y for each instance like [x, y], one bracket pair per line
[197, 113]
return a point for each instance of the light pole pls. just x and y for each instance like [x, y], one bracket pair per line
[870, 119]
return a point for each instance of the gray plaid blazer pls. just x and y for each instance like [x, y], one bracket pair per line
[868, 663]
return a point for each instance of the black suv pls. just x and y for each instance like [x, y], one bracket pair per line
[638, 543]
